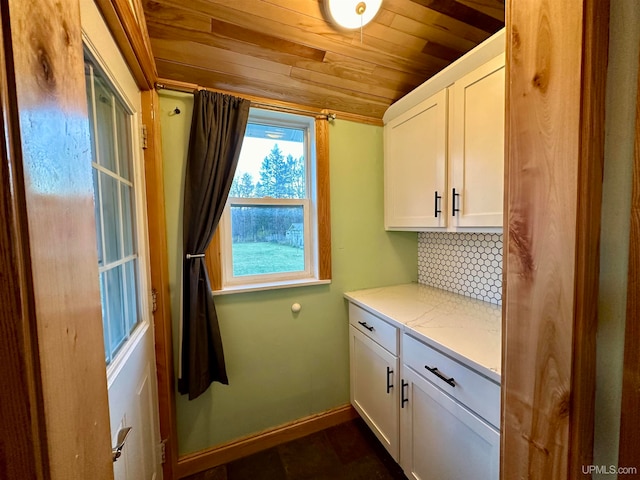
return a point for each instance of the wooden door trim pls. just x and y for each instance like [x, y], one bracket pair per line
[629, 447]
[130, 33]
[554, 159]
[159, 266]
[595, 44]
[21, 404]
[59, 321]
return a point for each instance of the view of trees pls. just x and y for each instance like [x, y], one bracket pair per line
[280, 178]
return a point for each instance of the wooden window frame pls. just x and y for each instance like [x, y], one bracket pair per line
[309, 204]
[213, 256]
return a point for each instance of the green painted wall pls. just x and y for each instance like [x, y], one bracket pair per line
[624, 49]
[284, 366]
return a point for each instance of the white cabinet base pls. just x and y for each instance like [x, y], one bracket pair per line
[375, 382]
[442, 440]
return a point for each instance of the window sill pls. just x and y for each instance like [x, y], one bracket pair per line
[259, 287]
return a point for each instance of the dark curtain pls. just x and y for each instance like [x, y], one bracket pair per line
[217, 129]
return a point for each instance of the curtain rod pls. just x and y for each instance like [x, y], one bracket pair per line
[191, 88]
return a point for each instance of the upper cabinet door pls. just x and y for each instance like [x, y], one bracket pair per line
[477, 146]
[415, 166]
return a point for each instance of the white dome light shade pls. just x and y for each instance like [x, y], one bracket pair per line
[346, 13]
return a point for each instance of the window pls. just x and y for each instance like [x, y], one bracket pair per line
[111, 130]
[269, 230]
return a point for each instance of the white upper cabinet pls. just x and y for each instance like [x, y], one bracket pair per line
[476, 142]
[444, 147]
[415, 166]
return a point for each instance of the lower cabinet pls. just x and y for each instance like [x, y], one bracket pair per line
[374, 393]
[435, 416]
[441, 439]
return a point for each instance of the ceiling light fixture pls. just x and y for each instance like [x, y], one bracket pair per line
[351, 14]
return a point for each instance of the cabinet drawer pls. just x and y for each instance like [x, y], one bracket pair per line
[374, 327]
[476, 392]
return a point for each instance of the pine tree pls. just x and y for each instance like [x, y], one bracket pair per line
[246, 188]
[269, 172]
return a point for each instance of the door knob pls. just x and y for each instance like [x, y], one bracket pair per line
[122, 437]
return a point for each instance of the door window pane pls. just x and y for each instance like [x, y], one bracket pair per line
[267, 239]
[124, 141]
[128, 220]
[104, 124]
[98, 212]
[111, 217]
[114, 195]
[132, 294]
[88, 75]
[115, 300]
[105, 326]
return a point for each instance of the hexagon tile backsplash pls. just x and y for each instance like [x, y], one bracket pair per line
[466, 263]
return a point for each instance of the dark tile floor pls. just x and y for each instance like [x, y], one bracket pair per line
[348, 451]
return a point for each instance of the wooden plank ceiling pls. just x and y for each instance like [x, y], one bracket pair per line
[286, 50]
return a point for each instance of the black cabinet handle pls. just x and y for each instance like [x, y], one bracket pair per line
[435, 371]
[403, 399]
[364, 324]
[453, 202]
[389, 384]
[436, 210]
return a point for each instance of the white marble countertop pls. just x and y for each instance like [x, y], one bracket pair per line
[464, 328]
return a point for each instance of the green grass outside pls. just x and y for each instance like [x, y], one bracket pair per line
[262, 257]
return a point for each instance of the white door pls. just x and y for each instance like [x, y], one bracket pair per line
[415, 163]
[114, 113]
[441, 439]
[477, 146]
[374, 389]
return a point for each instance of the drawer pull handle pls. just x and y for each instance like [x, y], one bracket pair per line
[403, 399]
[389, 384]
[437, 373]
[364, 324]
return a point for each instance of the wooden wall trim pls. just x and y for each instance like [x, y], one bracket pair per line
[629, 449]
[267, 102]
[595, 44]
[130, 33]
[213, 261]
[160, 279]
[324, 198]
[554, 154]
[210, 458]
